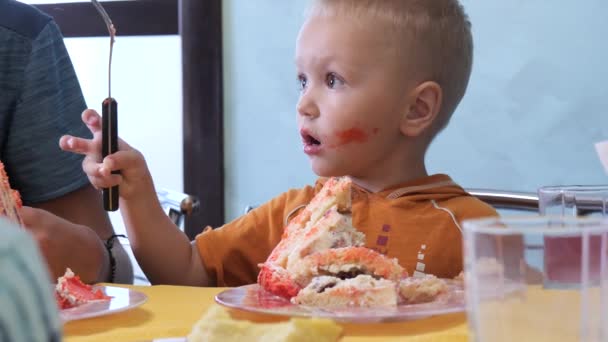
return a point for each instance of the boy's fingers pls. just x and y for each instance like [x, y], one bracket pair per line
[92, 120]
[77, 145]
[122, 160]
[106, 182]
[91, 168]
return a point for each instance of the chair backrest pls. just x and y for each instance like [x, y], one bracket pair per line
[528, 201]
[177, 205]
[503, 199]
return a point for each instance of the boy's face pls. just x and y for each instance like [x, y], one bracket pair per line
[353, 97]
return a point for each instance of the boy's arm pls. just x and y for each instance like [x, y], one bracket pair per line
[162, 250]
[164, 253]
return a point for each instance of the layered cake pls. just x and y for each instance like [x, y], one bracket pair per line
[320, 260]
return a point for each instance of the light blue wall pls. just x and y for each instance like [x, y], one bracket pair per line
[537, 99]
[263, 150]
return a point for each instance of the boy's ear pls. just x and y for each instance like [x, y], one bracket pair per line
[424, 106]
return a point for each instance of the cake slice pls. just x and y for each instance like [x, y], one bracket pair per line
[297, 237]
[360, 291]
[275, 279]
[10, 200]
[332, 230]
[416, 290]
[347, 262]
[70, 291]
[335, 192]
[321, 261]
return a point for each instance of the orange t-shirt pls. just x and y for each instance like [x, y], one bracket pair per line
[418, 223]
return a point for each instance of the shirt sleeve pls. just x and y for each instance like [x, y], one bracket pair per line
[49, 105]
[231, 253]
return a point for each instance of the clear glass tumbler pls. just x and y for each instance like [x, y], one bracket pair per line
[563, 256]
[504, 272]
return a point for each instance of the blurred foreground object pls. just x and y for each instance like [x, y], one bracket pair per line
[27, 308]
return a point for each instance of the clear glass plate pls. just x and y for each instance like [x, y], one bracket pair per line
[122, 299]
[252, 298]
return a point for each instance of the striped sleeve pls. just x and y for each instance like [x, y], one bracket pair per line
[48, 106]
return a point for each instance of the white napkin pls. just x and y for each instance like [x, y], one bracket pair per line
[602, 151]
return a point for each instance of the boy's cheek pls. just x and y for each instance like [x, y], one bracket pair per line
[349, 136]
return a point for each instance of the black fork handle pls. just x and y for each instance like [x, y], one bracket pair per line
[109, 120]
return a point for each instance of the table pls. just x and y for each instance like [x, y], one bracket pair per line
[171, 311]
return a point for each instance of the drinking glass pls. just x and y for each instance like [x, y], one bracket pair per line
[504, 272]
[573, 200]
[563, 256]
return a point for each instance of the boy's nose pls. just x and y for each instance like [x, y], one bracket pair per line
[306, 106]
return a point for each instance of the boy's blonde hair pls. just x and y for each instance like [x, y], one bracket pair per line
[434, 39]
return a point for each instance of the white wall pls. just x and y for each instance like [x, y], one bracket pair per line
[536, 102]
[146, 83]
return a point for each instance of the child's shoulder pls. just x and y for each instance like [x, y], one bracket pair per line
[445, 194]
[467, 206]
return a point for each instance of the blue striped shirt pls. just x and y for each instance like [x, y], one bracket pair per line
[40, 100]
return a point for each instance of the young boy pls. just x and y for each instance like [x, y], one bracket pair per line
[379, 80]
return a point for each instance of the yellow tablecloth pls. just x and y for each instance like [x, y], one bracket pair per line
[172, 310]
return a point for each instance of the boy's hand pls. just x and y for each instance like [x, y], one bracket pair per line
[134, 178]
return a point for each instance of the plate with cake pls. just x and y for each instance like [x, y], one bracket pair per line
[321, 268]
[253, 298]
[77, 300]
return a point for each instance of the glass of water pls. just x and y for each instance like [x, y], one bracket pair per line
[504, 271]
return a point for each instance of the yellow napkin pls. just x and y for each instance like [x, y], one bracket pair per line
[217, 325]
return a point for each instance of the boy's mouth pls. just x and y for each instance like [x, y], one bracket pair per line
[312, 145]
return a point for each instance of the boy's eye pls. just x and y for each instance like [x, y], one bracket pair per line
[332, 80]
[302, 82]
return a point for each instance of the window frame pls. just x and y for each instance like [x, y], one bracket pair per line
[81, 19]
[199, 23]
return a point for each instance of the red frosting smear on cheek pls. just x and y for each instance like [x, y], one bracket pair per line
[350, 135]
